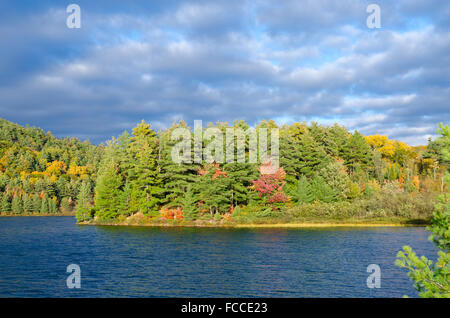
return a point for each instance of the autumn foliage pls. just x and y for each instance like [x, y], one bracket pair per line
[171, 213]
[270, 185]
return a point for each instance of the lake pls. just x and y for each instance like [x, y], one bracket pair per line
[201, 262]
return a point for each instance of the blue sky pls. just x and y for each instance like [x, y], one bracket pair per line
[162, 61]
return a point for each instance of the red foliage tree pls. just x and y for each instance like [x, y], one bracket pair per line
[270, 185]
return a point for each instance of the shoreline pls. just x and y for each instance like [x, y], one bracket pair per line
[296, 224]
[262, 225]
[47, 214]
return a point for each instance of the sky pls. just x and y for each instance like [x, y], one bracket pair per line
[162, 61]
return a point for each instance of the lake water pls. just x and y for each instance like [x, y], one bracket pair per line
[201, 262]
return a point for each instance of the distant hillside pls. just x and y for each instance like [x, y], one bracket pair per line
[41, 173]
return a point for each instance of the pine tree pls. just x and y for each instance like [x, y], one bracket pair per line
[321, 191]
[335, 175]
[358, 155]
[324, 137]
[84, 196]
[147, 191]
[189, 203]
[65, 205]
[27, 204]
[62, 187]
[301, 155]
[240, 176]
[5, 204]
[36, 203]
[125, 199]
[431, 279]
[303, 191]
[51, 189]
[52, 206]
[83, 200]
[108, 191]
[176, 176]
[44, 205]
[17, 206]
[214, 188]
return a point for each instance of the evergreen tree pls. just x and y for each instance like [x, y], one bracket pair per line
[51, 189]
[36, 203]
[303, 191]
[17, 205]
[62, 187]
[321, 191]
[84, 196]
[65, 205]
[27, 204]
[357, 154]
[240, 176]
[52, 206]
[325, 138]
[125, 199]
[44, 205]
[5, 204]
[189, 203]
[83, 200]
[147, 192]
[335, 175]
[176, 176]
[214, 187]
[431, 279]
[301, 155]
[108, 191]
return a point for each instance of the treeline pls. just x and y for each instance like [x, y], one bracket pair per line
[325, 165]
[318, 165]
[43, 174]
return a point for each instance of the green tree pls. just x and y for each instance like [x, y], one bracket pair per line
[27, 204]
[65, 205]
[189, 203]
[321, 191]
[176, 176]
[357, 154]
[17, 205]
[108, 191]
[44, 205]
[302, 192]
[36, 203]
[300, 154]
[335, 175]
[432, 279]
[5, 204]
[52, 206]
[147, 192]
[84, 196]
[83, 200]
[441, 146]
[214, 189]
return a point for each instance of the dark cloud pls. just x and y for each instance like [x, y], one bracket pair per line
[222, 61]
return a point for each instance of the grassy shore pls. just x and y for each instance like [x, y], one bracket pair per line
[39, 214]
[389, 209]
[264, 223]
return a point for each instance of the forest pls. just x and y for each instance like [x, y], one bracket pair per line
[324, 173]
[41, 174]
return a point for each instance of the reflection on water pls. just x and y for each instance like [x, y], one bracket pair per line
[200, 262]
